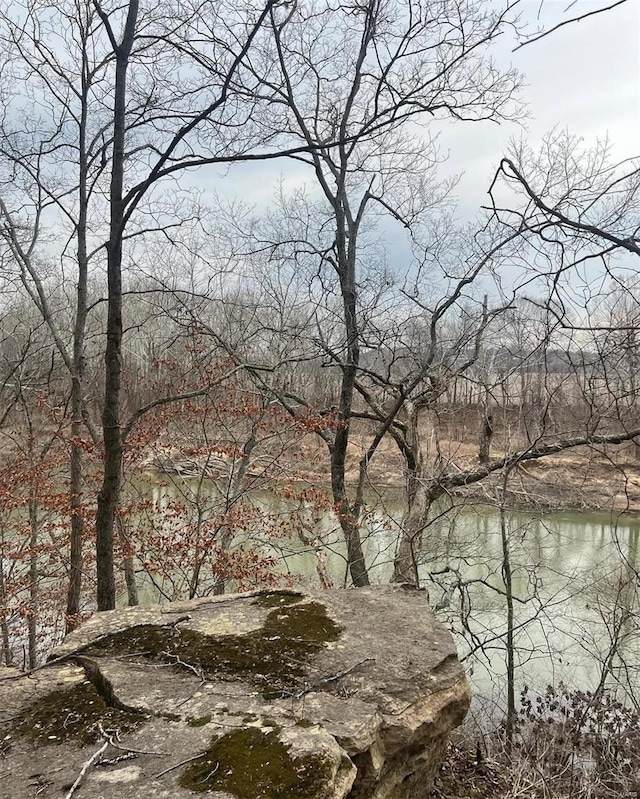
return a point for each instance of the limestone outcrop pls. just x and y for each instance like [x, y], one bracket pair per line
[253, 696]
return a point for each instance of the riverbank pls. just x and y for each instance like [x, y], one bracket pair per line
[605, 480]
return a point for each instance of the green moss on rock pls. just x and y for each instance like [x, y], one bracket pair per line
[72, 714]
[199, 721]
[273, 657]
[277, 599]
[252, 764]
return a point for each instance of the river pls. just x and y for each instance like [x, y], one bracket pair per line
[574, 581]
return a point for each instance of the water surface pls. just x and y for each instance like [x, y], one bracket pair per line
[574, 581]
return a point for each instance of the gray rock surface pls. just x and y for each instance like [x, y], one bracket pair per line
[252, 696]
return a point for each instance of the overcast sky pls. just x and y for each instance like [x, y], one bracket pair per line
[585, 77]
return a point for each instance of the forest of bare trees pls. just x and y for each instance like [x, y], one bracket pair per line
[354, 334]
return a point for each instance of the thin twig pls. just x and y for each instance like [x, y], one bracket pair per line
[332, 678]
[341, 674]
[177, 765]
[135, 655]
[199, 672]
[210, 774]
[191, 695]
[138, 751]
[112, 761]
[95, 756]
[579, 18]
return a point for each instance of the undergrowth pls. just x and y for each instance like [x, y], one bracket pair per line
[567, 745]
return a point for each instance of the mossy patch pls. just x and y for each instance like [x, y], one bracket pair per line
[277, 599]
[274, 657]
[72, 714]
[345, 763]
[200, 721]
[252, 764]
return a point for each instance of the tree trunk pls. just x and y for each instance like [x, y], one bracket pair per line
[110, 490]
[128, 564]
[486, 434]
[131, 582]
[77, 520]
[5, 653]
[76, 476]
[198, 555]
[405, 566]
[112, 434]
[349, 519]
[419, 500]
[510, 645]
[350, 525]
[235, 488]
[32, 620]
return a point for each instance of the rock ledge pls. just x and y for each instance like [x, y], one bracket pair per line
[259, 695]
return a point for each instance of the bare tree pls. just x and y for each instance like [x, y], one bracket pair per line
[405, 379]
[575, 208]
[129, 96]
[52, 166]
[369, 76]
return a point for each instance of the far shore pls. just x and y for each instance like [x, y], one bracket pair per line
[576, 480]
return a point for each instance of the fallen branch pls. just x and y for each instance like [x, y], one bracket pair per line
[132, 751]
[112, 761]
[339, 675]
[191, 695]
[94, 757]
